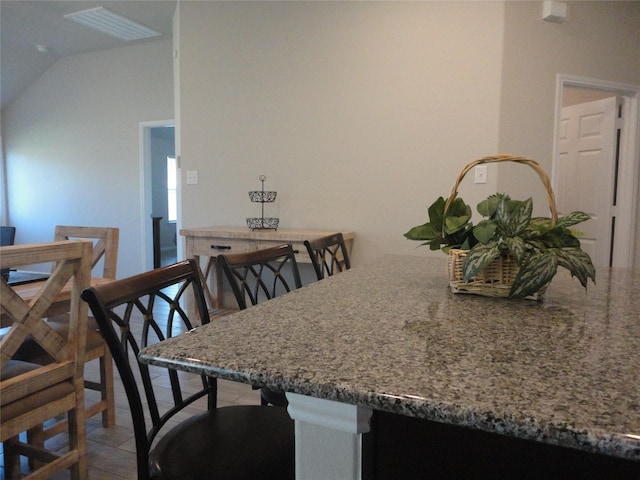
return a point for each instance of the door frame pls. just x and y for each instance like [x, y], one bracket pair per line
[146, 203]
[629, 159]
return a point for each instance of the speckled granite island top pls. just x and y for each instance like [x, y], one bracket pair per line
[391, 336]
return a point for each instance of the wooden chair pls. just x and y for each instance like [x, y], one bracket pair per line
[228, 442]
[328, 255]
[32, 393]
[105, 248]
[262, 275]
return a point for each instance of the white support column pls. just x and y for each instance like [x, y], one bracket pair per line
[328, 437]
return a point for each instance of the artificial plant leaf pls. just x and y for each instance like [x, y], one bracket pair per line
[513, 215]
[538, 226]
[435, 244]
[458, 216]
[516, 247]
[535, 272]
[436, 213]
[458, 208]
[466, 245]
[512, 205]
[560, 237]
[541, 222]
[488, 207]
[578, 263]
[485, 230]
[572, 219]
[422, 232]
[454, 224]
[484, 208]
[478, 258]
[502, 212]
[432, 232]
[459, 237]
[521, 216]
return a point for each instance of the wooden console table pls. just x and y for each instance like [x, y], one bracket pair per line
[209, 242]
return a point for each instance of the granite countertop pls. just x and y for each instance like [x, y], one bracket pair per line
[390, 335]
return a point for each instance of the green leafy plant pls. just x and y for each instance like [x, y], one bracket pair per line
[536, 244]
[452, 232]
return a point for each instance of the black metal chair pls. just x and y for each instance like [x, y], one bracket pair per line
[262, 275]
[7, 238]
[328, 255]
[237, 442]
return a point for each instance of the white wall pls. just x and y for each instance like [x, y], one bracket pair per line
[574, 96]
[601, 41]
[72, 144]
[360, 114]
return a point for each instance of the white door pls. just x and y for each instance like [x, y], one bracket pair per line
[586, 173]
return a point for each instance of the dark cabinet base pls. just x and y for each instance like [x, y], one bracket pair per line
[406, 448]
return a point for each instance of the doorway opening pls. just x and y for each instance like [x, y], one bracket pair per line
[159, 222]
[612, 174]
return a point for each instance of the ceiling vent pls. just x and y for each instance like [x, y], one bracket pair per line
[111, 23]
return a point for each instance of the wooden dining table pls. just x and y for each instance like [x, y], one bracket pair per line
[391, 338]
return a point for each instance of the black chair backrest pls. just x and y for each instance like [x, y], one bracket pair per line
[7, 236]
[328, 255]
[146, 309]
[261, 274]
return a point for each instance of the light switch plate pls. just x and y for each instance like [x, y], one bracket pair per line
[481, 174]
[192, 177]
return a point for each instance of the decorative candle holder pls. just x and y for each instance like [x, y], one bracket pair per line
[262, 197]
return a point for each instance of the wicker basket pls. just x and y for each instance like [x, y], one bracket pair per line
[495, 280]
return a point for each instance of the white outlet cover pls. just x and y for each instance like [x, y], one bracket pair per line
[192, 177]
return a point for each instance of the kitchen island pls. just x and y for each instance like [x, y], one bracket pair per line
[390, 337]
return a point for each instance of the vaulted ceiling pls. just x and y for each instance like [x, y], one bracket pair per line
[35, 34]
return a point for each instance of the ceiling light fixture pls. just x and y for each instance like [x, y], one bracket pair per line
[111, 23]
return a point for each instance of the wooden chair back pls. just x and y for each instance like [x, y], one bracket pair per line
[261, 274]
[328, 255]
[105, 246]
[138, 311]
[70, 276]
